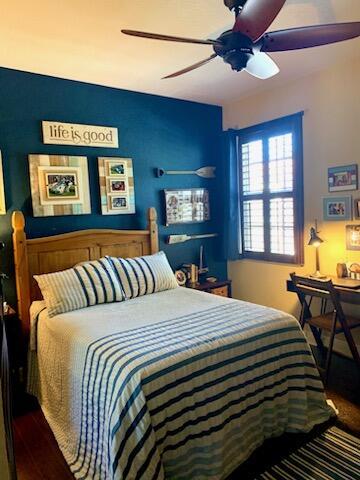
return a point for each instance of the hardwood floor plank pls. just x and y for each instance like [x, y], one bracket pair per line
[37, 454]
[27, 468]
[51, 443]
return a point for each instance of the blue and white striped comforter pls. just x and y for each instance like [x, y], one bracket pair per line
[176, 396]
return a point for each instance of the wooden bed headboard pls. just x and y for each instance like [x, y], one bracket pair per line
[58, 252]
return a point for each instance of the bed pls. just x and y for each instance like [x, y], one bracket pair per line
[178, 384]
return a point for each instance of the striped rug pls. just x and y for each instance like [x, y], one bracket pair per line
[332, 455]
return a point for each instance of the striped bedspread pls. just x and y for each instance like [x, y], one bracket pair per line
[187, 395]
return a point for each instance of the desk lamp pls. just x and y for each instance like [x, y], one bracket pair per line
[316, 241]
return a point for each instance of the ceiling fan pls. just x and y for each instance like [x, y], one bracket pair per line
[245, 46]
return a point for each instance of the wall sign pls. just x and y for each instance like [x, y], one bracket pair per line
[58, 133]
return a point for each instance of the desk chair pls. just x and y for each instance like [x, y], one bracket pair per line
[335, 321]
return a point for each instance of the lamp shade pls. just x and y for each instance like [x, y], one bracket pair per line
[315, 240]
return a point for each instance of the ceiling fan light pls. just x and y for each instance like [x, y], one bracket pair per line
[238, 60]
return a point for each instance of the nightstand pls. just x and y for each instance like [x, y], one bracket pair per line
[220, 288]
[16, 355]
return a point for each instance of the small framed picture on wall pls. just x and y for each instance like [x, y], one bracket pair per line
[337, 209]
[344, 178]
[187, 205]
[353, 237]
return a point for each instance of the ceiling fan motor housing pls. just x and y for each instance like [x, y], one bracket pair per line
[231, 4]
[236, 49]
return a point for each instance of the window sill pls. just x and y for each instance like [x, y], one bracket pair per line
[269, 262]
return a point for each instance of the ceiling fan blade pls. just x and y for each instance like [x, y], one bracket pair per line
[262, 66]
[257, 16]
[306, 37]
[192, 67]
[169, 38]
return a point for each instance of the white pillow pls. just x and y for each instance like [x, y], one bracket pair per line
[143, 275]
[87, 284]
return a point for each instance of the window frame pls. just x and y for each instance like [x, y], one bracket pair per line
[290, 124]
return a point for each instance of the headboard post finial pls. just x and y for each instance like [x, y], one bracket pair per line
[153, 227]
[18, 220]
[21, 269]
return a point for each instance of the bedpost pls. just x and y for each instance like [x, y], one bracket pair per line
[21, 270]
[154, 233]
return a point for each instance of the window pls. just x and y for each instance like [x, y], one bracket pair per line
[271, 190]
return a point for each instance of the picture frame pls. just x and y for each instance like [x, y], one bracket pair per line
[59, 185]
[353, 237]
[189, 205]
[118, 203]
[117, 185]
[357, 208]
[2, 189]
[116, 168]
[116, 180]
[343, 178]
[62, 184]
[337, 208]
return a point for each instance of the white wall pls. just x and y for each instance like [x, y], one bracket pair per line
[331, 101]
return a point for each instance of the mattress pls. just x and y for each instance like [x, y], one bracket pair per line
[179, 384]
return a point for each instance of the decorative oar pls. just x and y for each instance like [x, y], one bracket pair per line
[204, 172]
[185, 238]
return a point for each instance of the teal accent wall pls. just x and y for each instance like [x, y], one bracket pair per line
[154, 131]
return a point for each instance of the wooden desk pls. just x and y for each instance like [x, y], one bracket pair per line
[348, 289]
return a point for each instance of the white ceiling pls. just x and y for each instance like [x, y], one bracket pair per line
[81, 40]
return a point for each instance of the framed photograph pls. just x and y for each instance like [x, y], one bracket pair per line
[187, 206]
[343, 178]
[116, 169]
[357, 208]
[59, 185]
[117, 190]
[353, 237]
[117, 186]
[2, 190]
[118, 203]
[337, 208]
[62, 185]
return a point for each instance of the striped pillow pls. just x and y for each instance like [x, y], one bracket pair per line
[142, 275]
[87, 284]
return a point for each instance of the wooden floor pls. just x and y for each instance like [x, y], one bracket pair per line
[39, 458]
[36, 452]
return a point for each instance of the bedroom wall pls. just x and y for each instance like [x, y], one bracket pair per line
[331, 103]
[153, 131]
